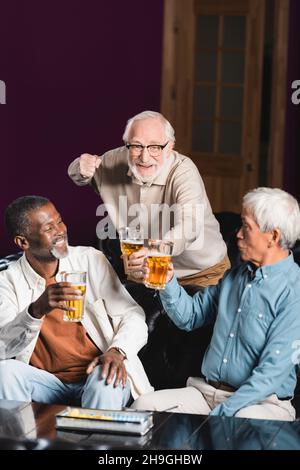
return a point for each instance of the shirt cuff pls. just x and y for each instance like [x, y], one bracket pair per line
[171, 292]
[31, 322]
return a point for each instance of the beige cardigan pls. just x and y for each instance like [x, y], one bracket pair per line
[195, 231]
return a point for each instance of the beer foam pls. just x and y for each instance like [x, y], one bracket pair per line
[158, 255]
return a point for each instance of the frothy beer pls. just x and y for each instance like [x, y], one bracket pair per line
[78, 281]
[77, 314]
[127, 248]
[158, 268]
[131, 240]
[131, 246]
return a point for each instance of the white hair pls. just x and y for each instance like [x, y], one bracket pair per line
[273, 208]
[170, 133]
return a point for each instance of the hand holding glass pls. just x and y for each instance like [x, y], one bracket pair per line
[78, 280]
[158, 261]
[131, 240]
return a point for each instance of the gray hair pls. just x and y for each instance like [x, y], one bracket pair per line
[273, 208]
[170, 133]
[16, 214]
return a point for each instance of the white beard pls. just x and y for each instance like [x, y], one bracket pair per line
[149, 179]
[58, 253]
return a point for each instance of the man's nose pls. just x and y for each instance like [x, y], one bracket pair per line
[144, 157]
[239, 233]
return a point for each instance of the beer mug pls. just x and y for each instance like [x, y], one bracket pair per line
[158, 261]
[78, 280]
[131, 240]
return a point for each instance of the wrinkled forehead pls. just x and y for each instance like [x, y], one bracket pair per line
[147, 131]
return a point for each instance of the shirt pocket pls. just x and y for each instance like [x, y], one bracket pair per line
[253, 328]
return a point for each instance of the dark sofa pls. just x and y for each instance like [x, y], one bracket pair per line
[172, 355]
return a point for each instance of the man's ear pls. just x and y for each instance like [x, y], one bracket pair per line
[21, 242]
[276, 234]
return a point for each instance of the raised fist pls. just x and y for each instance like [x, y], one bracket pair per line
[88, 164]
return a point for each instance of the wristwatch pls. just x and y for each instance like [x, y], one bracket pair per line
[120, 351]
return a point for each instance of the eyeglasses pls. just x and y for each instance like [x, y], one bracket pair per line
[153, 150]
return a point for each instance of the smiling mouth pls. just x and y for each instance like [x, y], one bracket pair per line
[60, 242]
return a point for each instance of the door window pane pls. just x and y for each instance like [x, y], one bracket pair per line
[232, 67]
[207, 31]
[203, 134]
[231, 103]
[230, 138]
[234, 31]
[204, 101]
[206, 66]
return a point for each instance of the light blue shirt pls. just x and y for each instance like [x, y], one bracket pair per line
[256, 338]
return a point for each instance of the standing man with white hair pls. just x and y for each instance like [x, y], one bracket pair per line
[249, 367]
[147, 181]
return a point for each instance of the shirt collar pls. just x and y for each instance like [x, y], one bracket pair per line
[161, 178]
[269, 270]
[32, 277]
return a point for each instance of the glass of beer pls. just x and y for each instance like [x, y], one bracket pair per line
[131, 240]
[158, 261]
[78, 280]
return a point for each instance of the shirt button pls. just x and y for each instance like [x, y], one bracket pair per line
[249, 285]
[265, 276]
[239, 310]
[231, 335]
[260, 315]
[277, 351]
[225, 360]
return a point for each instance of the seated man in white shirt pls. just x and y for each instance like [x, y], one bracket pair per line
[92, 363]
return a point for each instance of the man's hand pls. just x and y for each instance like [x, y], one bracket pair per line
[138, 270]
[135, 264]
[53, 297]
[112, 362]
[88, 164]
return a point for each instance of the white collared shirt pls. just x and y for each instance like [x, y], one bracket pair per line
[112, 318]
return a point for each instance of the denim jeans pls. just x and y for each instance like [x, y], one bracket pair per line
[22, 382]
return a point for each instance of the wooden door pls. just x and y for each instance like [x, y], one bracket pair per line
[211, 90]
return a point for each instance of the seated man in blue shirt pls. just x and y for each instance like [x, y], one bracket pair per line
[249, 367]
